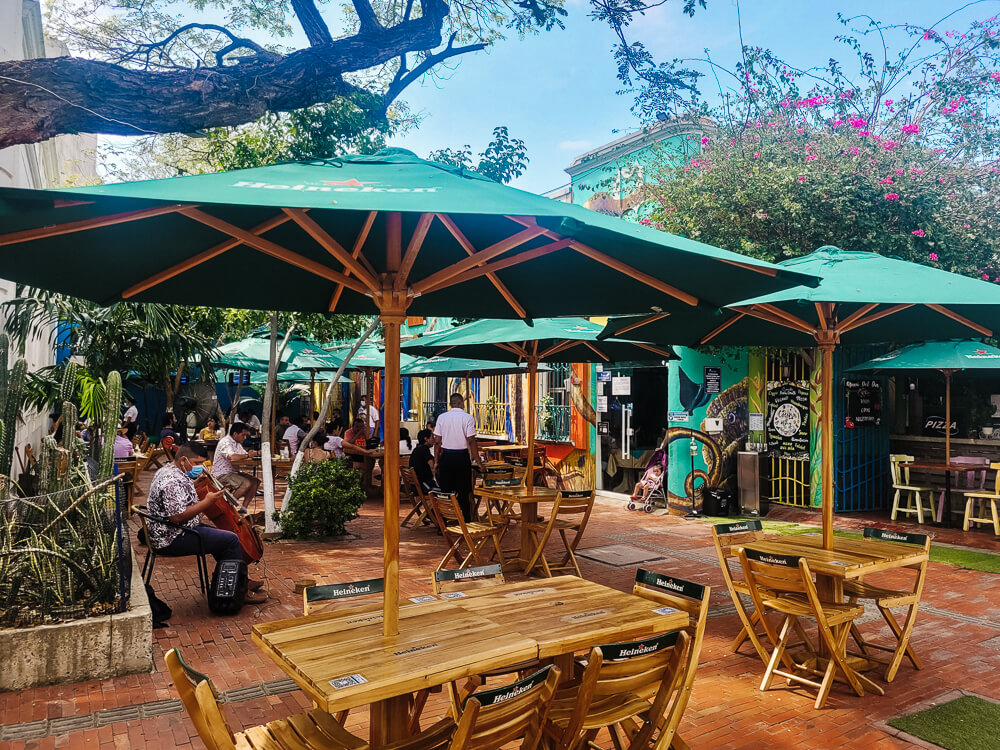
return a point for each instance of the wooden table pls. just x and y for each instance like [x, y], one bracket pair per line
[342, 659]
[566, 614]
[528, 502]
[947, 469]
[499, 450]
[443, 640]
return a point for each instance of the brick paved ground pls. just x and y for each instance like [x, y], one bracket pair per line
[957, 634]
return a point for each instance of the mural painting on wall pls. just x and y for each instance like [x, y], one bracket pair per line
[788, 419]
[718, 451]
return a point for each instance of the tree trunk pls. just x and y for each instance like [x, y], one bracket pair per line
[44, 97]
[270, 393]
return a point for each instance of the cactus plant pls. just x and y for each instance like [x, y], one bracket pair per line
[13, 400]
[109, 424]
[67, 390]
[4, 348]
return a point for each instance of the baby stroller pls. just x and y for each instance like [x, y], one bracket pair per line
[656, 495]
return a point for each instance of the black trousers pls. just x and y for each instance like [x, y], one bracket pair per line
[455, 475]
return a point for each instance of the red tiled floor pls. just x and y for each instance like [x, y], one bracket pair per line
[726, 709]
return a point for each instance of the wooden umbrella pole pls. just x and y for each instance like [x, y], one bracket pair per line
[826, 438]
[532, 418]
[947, 416]
[392, 319]
[312, 395]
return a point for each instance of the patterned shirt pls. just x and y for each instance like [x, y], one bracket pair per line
[171, 492]
[221, 465]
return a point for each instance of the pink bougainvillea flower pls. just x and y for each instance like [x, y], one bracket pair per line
[888, 102]
[966, 226]
[704, 141]
[756, 156]
[885, 181]
[986, 277]
[898, 171]
[920, 233]
[864, 133]
[853, 150]
[811, 157]
[911, 128]
[929, 34]
[889, 145]
[932, 256]
[892, 196]
[802, 178]
[857, 122]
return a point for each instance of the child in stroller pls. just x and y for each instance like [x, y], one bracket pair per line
[651, 483]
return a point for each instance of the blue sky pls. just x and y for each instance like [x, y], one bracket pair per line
[557, 90]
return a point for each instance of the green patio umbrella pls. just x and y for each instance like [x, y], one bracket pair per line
[252, 353]
[548, 340]
[420, 367]
[387, 233]
[947, 357]
[862, 298]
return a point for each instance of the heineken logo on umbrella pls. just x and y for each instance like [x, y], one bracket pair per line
[334, 186]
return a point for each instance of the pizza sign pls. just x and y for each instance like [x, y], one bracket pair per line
[788, 419]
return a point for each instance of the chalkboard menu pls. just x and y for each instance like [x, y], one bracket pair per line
[862, 403]
[788, 419]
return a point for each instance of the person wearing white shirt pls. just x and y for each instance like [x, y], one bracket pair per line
[455, 448]
[131, 419]
[294, 434]
[370, 415]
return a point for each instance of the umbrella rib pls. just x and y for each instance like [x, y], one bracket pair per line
[158, 278]
[858, 322]
[513, 348]
[416, 242]
[959, 319]
[556, 348]
[614, 263]
[498, 265]
[638, 323]
[782, 318]
[596, 351]
[719, 329]
[471, 250]
[752, 267]
[95, 222]
[273, 249]
[439, 279]
[655, 350]
[328, 243]
[847, 323]
[821, 315]
[359, 243]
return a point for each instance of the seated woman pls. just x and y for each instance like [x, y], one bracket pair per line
[405, 444]
[209, 431]
[315, 450]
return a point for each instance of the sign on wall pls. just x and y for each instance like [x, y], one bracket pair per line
[788, 419]
[862, 403]
[621, 385]
[713, 380]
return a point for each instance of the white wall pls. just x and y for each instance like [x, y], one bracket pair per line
[60, 161]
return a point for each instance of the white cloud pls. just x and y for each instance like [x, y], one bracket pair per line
[575, 145]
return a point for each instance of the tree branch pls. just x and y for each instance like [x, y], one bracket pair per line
[146, 50]
[45, 97]
[367, 18]
[312, 22]
[405, 77]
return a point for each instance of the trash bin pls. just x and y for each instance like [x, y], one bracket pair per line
[717, 502]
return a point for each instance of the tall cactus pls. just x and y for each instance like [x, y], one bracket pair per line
[13, 399]
[109, 427]
[67, 390]
[4, 349]
[69, 411]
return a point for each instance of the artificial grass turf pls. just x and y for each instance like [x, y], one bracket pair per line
[966, 723]
[983, 562]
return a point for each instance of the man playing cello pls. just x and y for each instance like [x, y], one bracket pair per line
[172, 495]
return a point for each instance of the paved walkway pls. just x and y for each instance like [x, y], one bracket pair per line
[957, 634]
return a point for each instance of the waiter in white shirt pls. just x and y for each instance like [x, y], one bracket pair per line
[455, 448]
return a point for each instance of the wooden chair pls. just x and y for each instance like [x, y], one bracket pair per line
[538, 465]
[460, 579]
[421, 511]
[981, 498]
[152, 552]
[319, 598]
[313, 730]
[491, 477]
[628, 687]
[972, 480]
[475, 534]
[784, 584]
[885, 599]
[570, 512]
[126, 467]
[727, 538]
[901, 483]
[689, 597]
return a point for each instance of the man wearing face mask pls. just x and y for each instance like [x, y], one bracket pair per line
[172, 495]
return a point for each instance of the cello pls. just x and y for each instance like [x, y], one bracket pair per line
[227, 513]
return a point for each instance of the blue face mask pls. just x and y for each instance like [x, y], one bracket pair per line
[195, 472]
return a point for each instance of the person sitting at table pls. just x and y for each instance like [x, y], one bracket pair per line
[405, 443]
[294, 433]
[422, 460]
[315, 451]
[209, 431]
[169, 422]
[123, 446]
[229, 454]
[334, 439]
[172, 495]
[248, 418]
